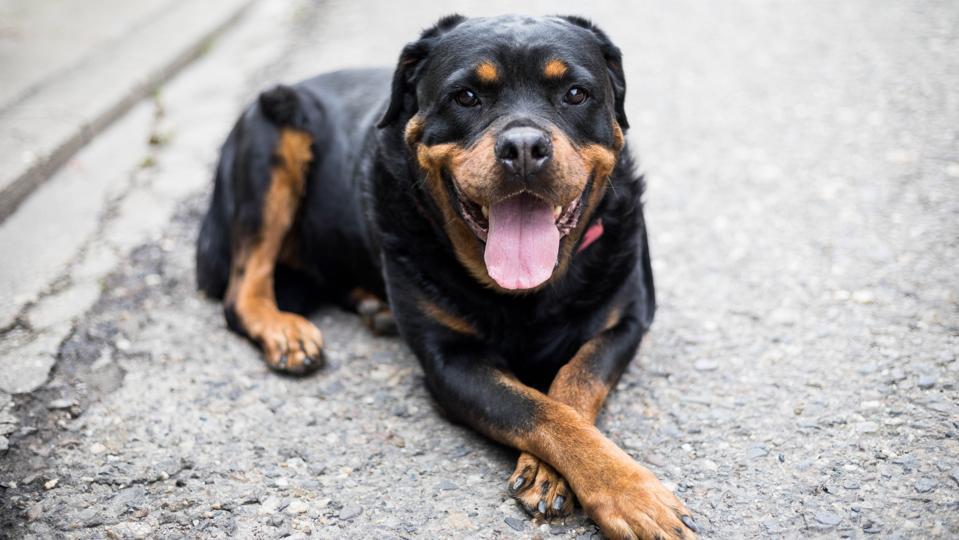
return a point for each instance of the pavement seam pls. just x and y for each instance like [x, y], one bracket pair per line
[44, 166]
[64, 280]
[84, 61]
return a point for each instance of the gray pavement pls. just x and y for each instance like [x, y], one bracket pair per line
[70, 71]
[800, 379]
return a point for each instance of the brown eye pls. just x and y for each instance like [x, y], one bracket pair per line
[575, 95]
[466, 98]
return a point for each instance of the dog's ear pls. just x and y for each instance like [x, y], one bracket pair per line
[409, 67]
[614, 64]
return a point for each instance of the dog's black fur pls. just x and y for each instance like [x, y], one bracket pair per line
[367, 220]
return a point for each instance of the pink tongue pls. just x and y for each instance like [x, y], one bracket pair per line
[522, 243]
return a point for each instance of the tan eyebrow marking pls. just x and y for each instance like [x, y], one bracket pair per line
[555, 69]
[487, 72]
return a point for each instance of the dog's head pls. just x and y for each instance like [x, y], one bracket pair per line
[516, 124]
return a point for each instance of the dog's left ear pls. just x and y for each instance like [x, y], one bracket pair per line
[614, 64]
[409, 67]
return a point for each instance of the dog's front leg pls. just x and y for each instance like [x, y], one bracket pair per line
[583, 384]
[622, 497]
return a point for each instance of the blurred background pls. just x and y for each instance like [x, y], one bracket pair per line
[802, 161]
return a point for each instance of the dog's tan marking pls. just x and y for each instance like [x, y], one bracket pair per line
[619, 140]
[468, 249]
[486, 71]
[555, 69]
[289, 341]
[413, 130]
[576, 386]
[447, 319]
[613, 318]
[590, 161]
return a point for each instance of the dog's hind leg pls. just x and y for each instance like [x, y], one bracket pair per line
[261, 226]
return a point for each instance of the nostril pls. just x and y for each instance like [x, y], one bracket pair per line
[509, 152]
[540, 149]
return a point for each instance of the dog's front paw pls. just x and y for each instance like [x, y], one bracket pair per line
[632, 503]
[539, 488]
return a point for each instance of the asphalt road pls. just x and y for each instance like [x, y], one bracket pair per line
[800, 379]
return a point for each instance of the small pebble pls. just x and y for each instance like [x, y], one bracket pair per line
[828, 518]
[925, 485]
[51, 483]
[655, 460]
[851, 484]
[515, 524]
[60, 404]
[706, 365]
[446, 485]
[35, 511]
[459, 520]
[350, 511]
[297, 507]
[926, 382]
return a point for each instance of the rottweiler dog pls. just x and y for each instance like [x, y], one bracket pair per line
[481, 200]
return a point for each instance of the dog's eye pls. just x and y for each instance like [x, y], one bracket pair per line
[575, 95]
[466, 98]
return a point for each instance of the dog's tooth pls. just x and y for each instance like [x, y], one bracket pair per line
[485, 211]
[557, 211]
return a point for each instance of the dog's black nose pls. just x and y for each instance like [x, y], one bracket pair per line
[523, 151]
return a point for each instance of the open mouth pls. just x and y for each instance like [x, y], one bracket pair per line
[477, 217]
[522, 234]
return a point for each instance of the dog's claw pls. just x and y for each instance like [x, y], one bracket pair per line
[688, 521]
[517, 484]
[541, 507]
[558, 502]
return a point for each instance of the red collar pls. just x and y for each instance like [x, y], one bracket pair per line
[591, 235]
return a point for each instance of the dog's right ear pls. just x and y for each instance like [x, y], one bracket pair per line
[409, 67]
[614, 65]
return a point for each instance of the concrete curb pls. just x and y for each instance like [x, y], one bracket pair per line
[44, 131]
